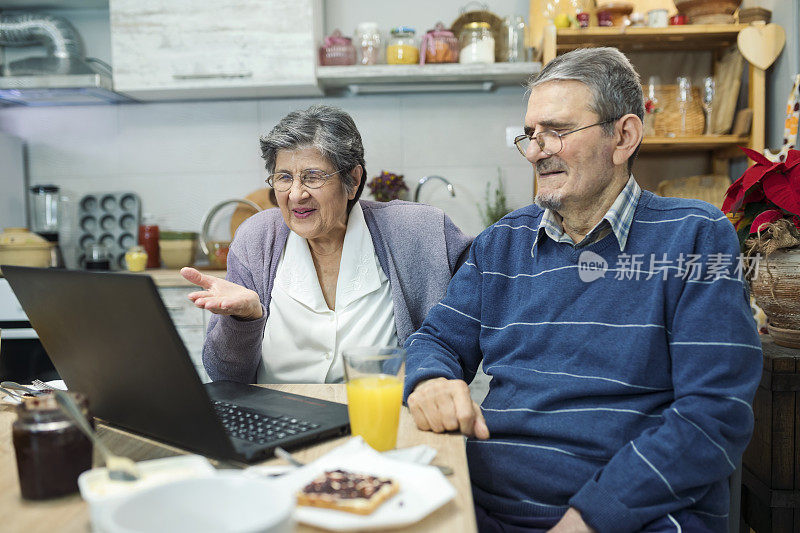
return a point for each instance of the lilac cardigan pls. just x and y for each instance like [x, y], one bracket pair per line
[418, 247]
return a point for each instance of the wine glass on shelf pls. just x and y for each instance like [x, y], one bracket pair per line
[709, 89]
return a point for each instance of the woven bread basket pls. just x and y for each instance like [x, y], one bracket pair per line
[669, 122]
[710, 188]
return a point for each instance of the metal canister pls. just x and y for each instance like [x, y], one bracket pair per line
[51, 451]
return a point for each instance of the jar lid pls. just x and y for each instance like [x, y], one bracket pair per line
[22, 238]
[48, 402]
[177, 235]
[367, 27]
[403, 29]
[475, 25]
[336, 38]
[39, 189]
[440, 31]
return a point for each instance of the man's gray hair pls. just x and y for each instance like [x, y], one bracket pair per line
[328, 129]
[615, 85]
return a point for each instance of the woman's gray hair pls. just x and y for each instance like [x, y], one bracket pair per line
[615, 85]
[328, 129]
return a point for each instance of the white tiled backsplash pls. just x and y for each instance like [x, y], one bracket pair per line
[182, 158]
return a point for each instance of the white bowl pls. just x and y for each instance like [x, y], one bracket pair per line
[227, 502]
[98, 490]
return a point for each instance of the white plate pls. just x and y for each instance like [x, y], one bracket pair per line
[423, 489]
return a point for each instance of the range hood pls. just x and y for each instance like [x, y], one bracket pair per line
[63, 77]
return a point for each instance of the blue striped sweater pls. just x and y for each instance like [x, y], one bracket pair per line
[627, 395]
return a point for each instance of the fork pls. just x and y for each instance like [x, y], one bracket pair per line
[39, 384]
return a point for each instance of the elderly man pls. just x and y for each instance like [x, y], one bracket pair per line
[615, 327]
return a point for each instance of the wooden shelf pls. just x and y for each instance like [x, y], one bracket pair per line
[53, 4]
[671, 38]
[696, 143]
[419, 78]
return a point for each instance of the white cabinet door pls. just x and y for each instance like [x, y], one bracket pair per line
[182, 311]
[190, 323]
[186, 49]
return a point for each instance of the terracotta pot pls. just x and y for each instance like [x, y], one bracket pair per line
[776, 289]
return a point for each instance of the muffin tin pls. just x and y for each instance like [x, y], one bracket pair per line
[110, 219]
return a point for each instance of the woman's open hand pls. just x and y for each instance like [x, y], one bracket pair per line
[223, 297]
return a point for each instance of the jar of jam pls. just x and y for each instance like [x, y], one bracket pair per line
[337, 50]
[51, 450]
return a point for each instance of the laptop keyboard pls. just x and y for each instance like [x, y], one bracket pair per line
[250, 425]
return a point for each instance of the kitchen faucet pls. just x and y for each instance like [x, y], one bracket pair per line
[424, 179]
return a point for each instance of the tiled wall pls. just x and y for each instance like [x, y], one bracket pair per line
[182, 158]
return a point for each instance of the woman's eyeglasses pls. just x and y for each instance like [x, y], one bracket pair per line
[310, 179]
[549, 141]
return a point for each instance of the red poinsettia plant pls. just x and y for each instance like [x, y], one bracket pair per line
[767, 192]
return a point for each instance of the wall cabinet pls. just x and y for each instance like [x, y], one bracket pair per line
[184, 50]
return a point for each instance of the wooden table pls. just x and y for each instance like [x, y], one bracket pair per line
[71, 513]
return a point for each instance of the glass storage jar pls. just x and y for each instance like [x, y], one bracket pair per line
[337, 50]
[402, 48]
[476, 43]
[511, 47]
[439, 45]
[369, 43]
[51, 451]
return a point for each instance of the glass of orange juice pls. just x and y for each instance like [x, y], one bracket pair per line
[375, 393]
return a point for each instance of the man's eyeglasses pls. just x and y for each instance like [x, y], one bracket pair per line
[549, 141]
[310, 179]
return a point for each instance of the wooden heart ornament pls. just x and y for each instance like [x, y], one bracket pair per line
[760, 44]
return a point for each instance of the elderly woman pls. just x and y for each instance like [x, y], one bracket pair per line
[325, 271]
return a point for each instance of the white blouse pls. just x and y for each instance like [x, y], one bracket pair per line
[303, 339]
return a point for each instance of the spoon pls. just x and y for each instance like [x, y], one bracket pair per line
[16, 386]
[119, 468]
[10, 393]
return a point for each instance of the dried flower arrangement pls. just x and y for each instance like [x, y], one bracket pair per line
[387, 186]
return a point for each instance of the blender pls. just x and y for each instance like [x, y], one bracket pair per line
[44, 209]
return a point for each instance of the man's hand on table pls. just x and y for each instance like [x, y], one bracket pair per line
[571, 522]
[223, 297]
[441, 405]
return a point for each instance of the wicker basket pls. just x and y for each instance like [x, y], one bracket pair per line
[481, 15]
[669, 122]
[710, 188]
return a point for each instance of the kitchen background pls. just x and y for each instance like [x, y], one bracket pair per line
[181, 158]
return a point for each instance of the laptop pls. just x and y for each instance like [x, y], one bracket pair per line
[110, 337]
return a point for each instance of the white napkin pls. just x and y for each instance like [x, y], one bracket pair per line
[421, 454]
[57, 383]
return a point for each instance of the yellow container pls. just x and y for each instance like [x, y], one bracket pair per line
[18, 246]
[136, 259]
[402, 48]
[177, 253]
[402, 54]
